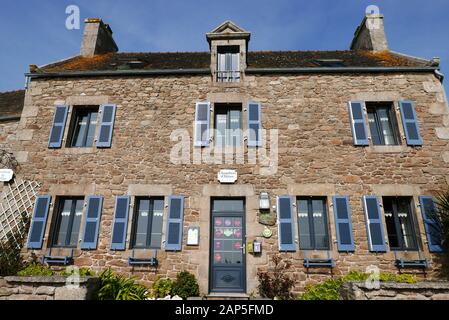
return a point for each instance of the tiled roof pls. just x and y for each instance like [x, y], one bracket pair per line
[256, 59]
[11, 103]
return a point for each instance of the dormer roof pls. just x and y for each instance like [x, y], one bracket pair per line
[228, 30]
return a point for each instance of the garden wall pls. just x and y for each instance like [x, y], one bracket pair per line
[47, 288]
[396, 291]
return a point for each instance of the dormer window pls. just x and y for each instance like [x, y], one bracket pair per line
[228, 64]
[228, 47]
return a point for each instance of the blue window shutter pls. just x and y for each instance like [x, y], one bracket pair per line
[202, 124]
[410, 123]
[254, 125]
[175, 218]
[286, 235]
[104, 139]
[92, 222]
[358, 123]
[57, 129]
[343, 223]
[432, 224]
[120, 224]
[38, 222]
[374, 224]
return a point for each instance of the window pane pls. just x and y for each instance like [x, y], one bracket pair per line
[235, 128]
[375, 137]
[156, 225]
[406, 223]
[91, 129]
[221, 125]
[391, 226]
[78, 214]
[320, 224]
[386, 125]
[80, 130]
[143, 212]
[228, 205]
[303, 225]
[64, 220]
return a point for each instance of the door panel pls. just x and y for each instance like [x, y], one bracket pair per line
[228, 249]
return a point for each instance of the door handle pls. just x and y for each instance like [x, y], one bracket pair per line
[243, 248]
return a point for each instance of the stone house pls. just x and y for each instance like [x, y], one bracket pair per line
[214, 162]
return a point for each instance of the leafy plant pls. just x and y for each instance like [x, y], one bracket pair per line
[276, 284]
[10, 258]
[329, 289]
[185, 285]
[162, 287]
[118, 287]
[442, 202]
[83, 272]
[35, 269]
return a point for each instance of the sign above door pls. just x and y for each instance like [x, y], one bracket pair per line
[227, 176]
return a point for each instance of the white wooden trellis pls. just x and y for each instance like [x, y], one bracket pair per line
[16, 203]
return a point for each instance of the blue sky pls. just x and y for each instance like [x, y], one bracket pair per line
[33, 31]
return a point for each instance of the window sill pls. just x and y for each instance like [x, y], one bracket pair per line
[228, 84]
[80, 150]
[386, 149]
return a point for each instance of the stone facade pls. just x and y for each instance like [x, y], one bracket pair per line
[395, 291]
[316, 157]
[46, 288]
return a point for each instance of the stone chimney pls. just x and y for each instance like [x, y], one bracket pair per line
[370, 35]
[97, 38]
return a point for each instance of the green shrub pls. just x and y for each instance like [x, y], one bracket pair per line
[329, 289]
[185, 285]
[83, 272]
[162, 287]
[118, 287]
[35, 269]
[10, 258]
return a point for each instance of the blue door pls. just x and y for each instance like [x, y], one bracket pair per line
[228, 254]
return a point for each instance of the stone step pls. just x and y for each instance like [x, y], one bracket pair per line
[227, 296]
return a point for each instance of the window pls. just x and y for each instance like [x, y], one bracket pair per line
[228, 64]
[148, 217]
[67, 222]
[228, 125]
[382, 124]
[312, 223]
[400, 225]
[82, 129]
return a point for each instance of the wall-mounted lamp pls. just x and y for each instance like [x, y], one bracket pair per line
[264, 201]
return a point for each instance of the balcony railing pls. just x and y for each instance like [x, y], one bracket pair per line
[227, 76]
